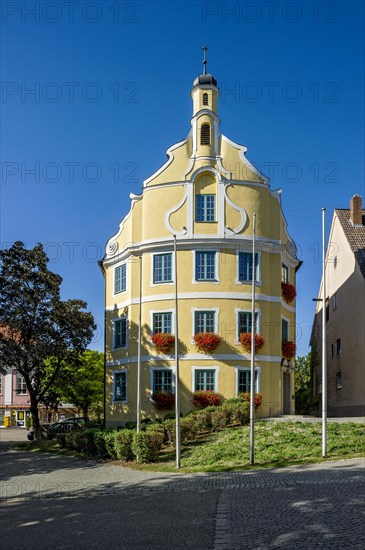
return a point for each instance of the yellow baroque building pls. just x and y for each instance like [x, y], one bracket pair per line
[205, 194]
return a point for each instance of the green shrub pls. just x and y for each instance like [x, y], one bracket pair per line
[203, 420]
[100, 444]
[220, 419]
[128, 426]
[188, 430]
[75, 441]
[241, 412]
[123, 444]
[147, 445]
[61, 439]
[109, 438]
[90, 448]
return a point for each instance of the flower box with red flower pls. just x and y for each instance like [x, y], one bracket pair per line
[163, 342]
[288, 349]
[207, 341]
[163, 400]
[246, 397]
[206, 398]
[245, 340]
[288, 292]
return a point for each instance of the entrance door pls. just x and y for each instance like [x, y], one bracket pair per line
[286, 393]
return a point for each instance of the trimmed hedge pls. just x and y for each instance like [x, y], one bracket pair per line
[147, 446]
[123, 440]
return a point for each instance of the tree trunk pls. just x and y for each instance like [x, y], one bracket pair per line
[85, 411]
[35, 418]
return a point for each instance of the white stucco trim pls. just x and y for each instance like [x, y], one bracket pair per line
[167, 283]
[242, 150]
[241, 211]
[240, 296]
[196, 357]
[216, 279]
[171, 211]
[170, 156]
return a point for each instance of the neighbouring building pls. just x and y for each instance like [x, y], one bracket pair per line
[14, 399]
[345, 315]
[205, 194]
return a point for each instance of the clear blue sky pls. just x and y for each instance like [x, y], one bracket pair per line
[112, 87]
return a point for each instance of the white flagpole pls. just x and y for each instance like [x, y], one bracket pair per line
[324, 343]
[139, 368]
[252, 382]
[177, 375]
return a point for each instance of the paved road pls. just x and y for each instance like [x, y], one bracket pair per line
[53, 501]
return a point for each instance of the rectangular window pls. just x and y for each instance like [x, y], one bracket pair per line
[21, 386]
[162, 380]
[120, 333]
[120, 386]
[338, 380]
[245, 321]
[205, 208]
[245, 266]
[284, 273]
[284, 330]
[204, 321]
[338, 346]
[204, 380]
[244, 380]
[205, 266]
[120, 278]
[162, 322]
[162, 268]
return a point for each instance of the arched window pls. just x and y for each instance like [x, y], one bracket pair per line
[205, 135]
[205, 99]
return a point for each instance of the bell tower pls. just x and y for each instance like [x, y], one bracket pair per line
[205, 121]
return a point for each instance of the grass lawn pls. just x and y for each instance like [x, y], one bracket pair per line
[276, 444]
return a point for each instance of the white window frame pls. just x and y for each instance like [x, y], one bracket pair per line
[171, 368]
[212, 368]
[167, 310]
[215, 207]
[258, 321]
[248, 282]
[216, 280]
[126, 332]
[247, 369]
[284, 265]
[20, 384]
[283, 318]
[126, 278]
[114, 372]
[216, 318]
[172, 282]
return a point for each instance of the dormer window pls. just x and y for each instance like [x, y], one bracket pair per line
[205, 99]
[205, 135]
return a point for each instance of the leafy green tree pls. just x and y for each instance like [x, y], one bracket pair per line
[85, 385]
[37, 325]
[303, 391]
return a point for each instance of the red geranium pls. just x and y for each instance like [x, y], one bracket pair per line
[246, 397]
[163, 400]
[205, 398]
[163, 342]
[288, 349]
[245, 339]
[288, 292]
[207, 341]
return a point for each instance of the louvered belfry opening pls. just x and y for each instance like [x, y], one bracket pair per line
[205, 99]
[205, 135]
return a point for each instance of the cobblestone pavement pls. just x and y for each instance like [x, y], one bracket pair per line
[309, 507]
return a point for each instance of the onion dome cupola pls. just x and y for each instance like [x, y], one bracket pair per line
[205, 121]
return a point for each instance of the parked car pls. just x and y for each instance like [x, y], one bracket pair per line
[62, 426]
